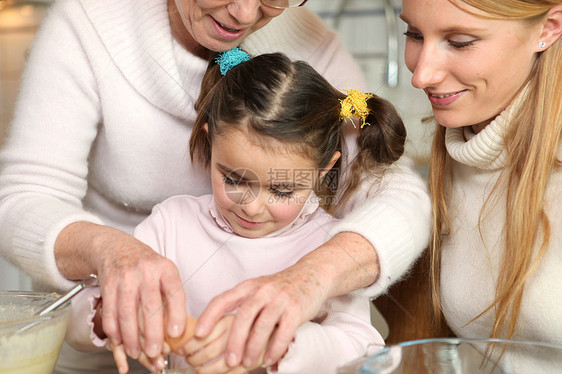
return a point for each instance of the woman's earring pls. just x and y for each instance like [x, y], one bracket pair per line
[542, 44]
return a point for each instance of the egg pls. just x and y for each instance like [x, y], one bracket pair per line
[176, 343]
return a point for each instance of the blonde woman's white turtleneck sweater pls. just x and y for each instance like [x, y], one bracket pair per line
[471, 259]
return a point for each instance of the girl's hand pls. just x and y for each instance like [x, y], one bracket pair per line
[199, 352]
[206, 355]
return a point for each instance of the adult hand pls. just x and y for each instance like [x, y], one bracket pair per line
[134, 277]
[268, 310]
[271, 308]
[153, 364]
[136, 284]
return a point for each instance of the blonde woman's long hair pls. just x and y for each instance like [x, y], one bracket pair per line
[532, 145]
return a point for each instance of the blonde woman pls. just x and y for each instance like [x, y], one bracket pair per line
[492, 71]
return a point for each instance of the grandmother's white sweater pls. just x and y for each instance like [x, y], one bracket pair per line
[103, 120]
[471, 259]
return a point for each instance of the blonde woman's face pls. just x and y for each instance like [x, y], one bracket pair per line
[219, 25]
[470, 67]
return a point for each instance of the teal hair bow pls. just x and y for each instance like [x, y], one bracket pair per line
[229, 59]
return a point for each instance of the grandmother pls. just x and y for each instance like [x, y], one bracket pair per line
[100, 134]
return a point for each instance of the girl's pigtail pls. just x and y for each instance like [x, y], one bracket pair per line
[199, 143]
[381, 140]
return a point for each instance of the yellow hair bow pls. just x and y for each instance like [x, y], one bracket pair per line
[355, 105]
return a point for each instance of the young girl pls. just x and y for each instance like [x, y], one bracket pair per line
[272, 132]
[495, 85]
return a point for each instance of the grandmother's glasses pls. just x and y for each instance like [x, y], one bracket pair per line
[282, 4]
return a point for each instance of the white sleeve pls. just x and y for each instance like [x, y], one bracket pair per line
[395, 220]
[344, 334]
[395, 217]
[44, 161]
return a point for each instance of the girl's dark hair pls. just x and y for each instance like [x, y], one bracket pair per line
[289, 101]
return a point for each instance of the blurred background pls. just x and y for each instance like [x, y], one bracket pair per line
[19, 21]
[370, 29]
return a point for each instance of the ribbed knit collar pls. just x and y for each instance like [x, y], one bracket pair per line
[485, 150]
[137, 35]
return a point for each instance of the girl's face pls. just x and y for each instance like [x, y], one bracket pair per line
[219, 25]
[258, 191]
[470, 67]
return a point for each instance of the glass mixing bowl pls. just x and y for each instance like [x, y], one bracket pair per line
[30, 344]
[459, 356]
